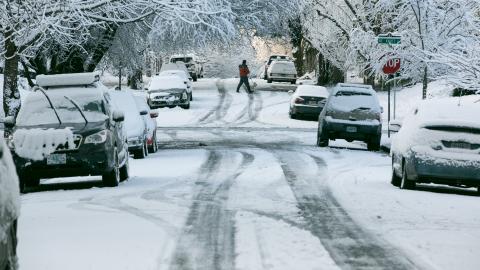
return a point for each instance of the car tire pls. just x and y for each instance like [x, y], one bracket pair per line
[294, 82]
[194, 77]
[269, 81]
[145, 146]
[396, 181]
[139, 154]
[154, 147]
[112, 178]
[27, 182]
[322, 141]
[186, 107]
[292, 115]
[125, 171]
[191, 96]
[405, 183]
[478, 191]
[374, 144]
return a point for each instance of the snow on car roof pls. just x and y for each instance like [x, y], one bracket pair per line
[73, 79]
[359, 88]
[312, 90]
[166, 82]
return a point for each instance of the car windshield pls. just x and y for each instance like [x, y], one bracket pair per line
[182, 59]
[37, 110]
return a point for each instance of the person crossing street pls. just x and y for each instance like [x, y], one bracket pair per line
[244, 72]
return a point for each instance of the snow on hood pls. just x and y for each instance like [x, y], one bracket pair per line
[166, 82]
[36, 144]
[9, 191]
[445, 112]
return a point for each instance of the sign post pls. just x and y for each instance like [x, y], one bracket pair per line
[392, 66]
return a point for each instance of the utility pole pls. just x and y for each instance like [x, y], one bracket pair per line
[120, 77]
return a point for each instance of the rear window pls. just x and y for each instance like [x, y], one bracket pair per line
[284, 67]
[181, 59]
[351, 93]
[454, 129]
[350, 100]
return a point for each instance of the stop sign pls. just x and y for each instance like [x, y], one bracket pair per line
[392, 66]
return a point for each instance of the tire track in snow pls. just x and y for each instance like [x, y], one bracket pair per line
[220, 110]
[208, 240]
[349, 245]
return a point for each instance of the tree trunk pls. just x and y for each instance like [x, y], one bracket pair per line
[11, 95]
[135, 79]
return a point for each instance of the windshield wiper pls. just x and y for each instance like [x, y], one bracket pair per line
[78, 108]
[51, 104]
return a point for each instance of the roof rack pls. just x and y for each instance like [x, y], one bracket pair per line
[72, 79]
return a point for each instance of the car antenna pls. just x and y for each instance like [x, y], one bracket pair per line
[78, 108]
[51, 104]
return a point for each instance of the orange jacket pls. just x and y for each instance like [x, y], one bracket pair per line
[244, 71]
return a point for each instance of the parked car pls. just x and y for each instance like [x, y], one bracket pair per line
[80, 103]
[168, 91]
[272, 58]
[150, 121]
[182, 74]
[439, 142]
[194, 65]
[9, 209]
[352, 112]
[282, 71]
[135, 126]
[308, 100]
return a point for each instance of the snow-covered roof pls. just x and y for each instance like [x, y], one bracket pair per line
[67, 79]
[358, 88]
[312, 91]
[166, 82]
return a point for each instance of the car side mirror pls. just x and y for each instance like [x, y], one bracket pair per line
[118, 116]
[9, 121]
[144, 112]
[153, 114]
[291, 92]
[145, 88]
[395, 125]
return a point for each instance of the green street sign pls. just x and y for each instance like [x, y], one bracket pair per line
[389, 39]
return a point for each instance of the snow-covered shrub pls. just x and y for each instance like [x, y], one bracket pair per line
[36, 144]
[9, 191]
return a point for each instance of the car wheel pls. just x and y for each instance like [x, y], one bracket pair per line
[186, 107]
[195, 78]
[139, 154]
[293, 82]
[292, 115]
[269, 81]
[405, 183]
[145, 146]
[125, 171]
[374, 144]
[112, 178]
[154, 147]
[191, 96]
[26, 182]
[395, 179]
[322, 141]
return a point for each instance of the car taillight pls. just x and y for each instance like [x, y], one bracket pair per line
[299, 100]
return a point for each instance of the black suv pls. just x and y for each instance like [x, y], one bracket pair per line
[83, 105]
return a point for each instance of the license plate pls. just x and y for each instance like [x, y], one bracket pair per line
[312, 103]
[352, 129]
[57, 159]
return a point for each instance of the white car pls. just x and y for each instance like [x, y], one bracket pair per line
[180, 73]
[274, 57]
[439, 142]
[135, 127]
[150, 121]
[308, 100]
[168, 91]
[194, 65]
[282, 71]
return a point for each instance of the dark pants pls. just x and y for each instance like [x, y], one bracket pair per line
[244, 80]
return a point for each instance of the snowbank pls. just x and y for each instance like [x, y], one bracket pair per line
[9, 192]
[36, 144]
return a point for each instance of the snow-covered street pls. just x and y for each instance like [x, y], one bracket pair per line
[237, 184]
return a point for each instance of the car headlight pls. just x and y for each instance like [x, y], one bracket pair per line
[99, 137]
